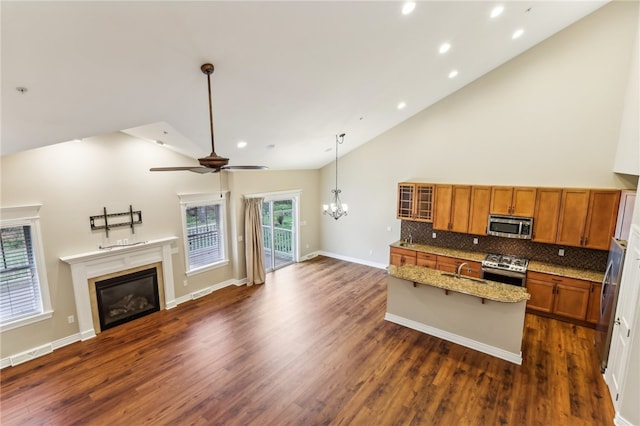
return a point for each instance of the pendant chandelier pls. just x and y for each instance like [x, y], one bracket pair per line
[336, 209]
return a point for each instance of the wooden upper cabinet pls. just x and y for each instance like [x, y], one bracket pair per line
[588, 218]
[513, 201]
[415, 202]
[452, 204]
[573, 216]
[406, 194]
[479, 212]
[601, 218]
[545, 216]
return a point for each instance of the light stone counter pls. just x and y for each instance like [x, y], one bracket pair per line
[489, 290]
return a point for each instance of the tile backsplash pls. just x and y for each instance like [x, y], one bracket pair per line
[574, 257]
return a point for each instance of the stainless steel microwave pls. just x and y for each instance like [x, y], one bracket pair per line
[510, 226]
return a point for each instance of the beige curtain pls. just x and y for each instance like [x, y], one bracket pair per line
[253, 241]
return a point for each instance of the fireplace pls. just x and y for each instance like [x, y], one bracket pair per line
[127, 297]
[90, 268]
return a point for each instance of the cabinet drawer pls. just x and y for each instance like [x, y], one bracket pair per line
[427, 256]
[426, 259]
[557, 279]
[403, 251]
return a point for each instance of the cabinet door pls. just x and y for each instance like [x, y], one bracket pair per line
[593, 310]
[460, 204]
[573, 215]
[501, 197]
[601, 218]
[523, 202]
[542, 294]
[479, 210]
[545, 216]
[442, 211]
[423, 203]
[406, 193]
[572, 299]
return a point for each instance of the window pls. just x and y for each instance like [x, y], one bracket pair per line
[24, 293]
[203, 217]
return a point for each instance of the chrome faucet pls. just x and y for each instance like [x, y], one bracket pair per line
[460, 269]
[410, 238]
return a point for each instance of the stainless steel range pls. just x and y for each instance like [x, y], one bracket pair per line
[505, 269]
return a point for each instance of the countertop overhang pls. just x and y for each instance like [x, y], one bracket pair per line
[488, 290]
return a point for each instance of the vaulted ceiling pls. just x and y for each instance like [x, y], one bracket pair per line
[289, 75]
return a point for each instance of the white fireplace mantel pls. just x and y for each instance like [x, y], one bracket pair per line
[85, 266]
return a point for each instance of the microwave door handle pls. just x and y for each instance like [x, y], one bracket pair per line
[605, 281]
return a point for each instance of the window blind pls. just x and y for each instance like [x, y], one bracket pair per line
[19, 285]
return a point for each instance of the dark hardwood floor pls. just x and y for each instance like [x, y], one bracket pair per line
[309, 347]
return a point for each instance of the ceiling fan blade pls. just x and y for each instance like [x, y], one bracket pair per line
[244, 167]
[195, 169]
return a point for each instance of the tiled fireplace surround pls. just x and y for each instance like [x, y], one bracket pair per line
[87, 266]
[574, 257]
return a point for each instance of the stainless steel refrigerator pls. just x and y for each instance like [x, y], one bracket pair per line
[609, 299]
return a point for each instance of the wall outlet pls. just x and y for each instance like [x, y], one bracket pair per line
[475, 241]
[370, 252]
[307, 246]
[433, 235]
[184, 283]
[119, 242]
[388, 229]
[125, 241]
[240, 238]
[561, 252]
[70, 319]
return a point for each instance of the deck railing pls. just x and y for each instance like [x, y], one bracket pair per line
[282, 243]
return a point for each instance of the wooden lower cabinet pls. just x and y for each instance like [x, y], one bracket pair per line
[563, 297]
[400, 256]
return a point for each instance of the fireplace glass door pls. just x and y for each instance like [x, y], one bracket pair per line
[127, 297]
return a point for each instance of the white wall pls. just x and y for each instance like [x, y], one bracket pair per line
[549, 117]
[75, 180]
[628, 153]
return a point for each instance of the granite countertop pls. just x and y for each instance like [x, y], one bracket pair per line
[489, 290]
[547, 268]
[442, 251]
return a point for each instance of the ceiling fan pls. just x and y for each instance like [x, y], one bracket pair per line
[212, 163]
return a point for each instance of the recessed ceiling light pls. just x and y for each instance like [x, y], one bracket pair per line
[408, 7]
[444, 47]
[497, 11]
[453, 73]
[242, 144]
[518, 33]
[159, 142]
[401, 105]
[328, 149]
[271, 146]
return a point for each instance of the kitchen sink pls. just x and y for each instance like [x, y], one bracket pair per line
[474, 279]
[405, 244]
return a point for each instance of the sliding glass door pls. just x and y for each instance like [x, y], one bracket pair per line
[279, 232]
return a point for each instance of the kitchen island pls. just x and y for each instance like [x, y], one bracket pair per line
[482, 315]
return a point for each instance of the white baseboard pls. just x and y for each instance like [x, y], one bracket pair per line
[618, 420]
[28, 355]
[454, 338]
[354, 260]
